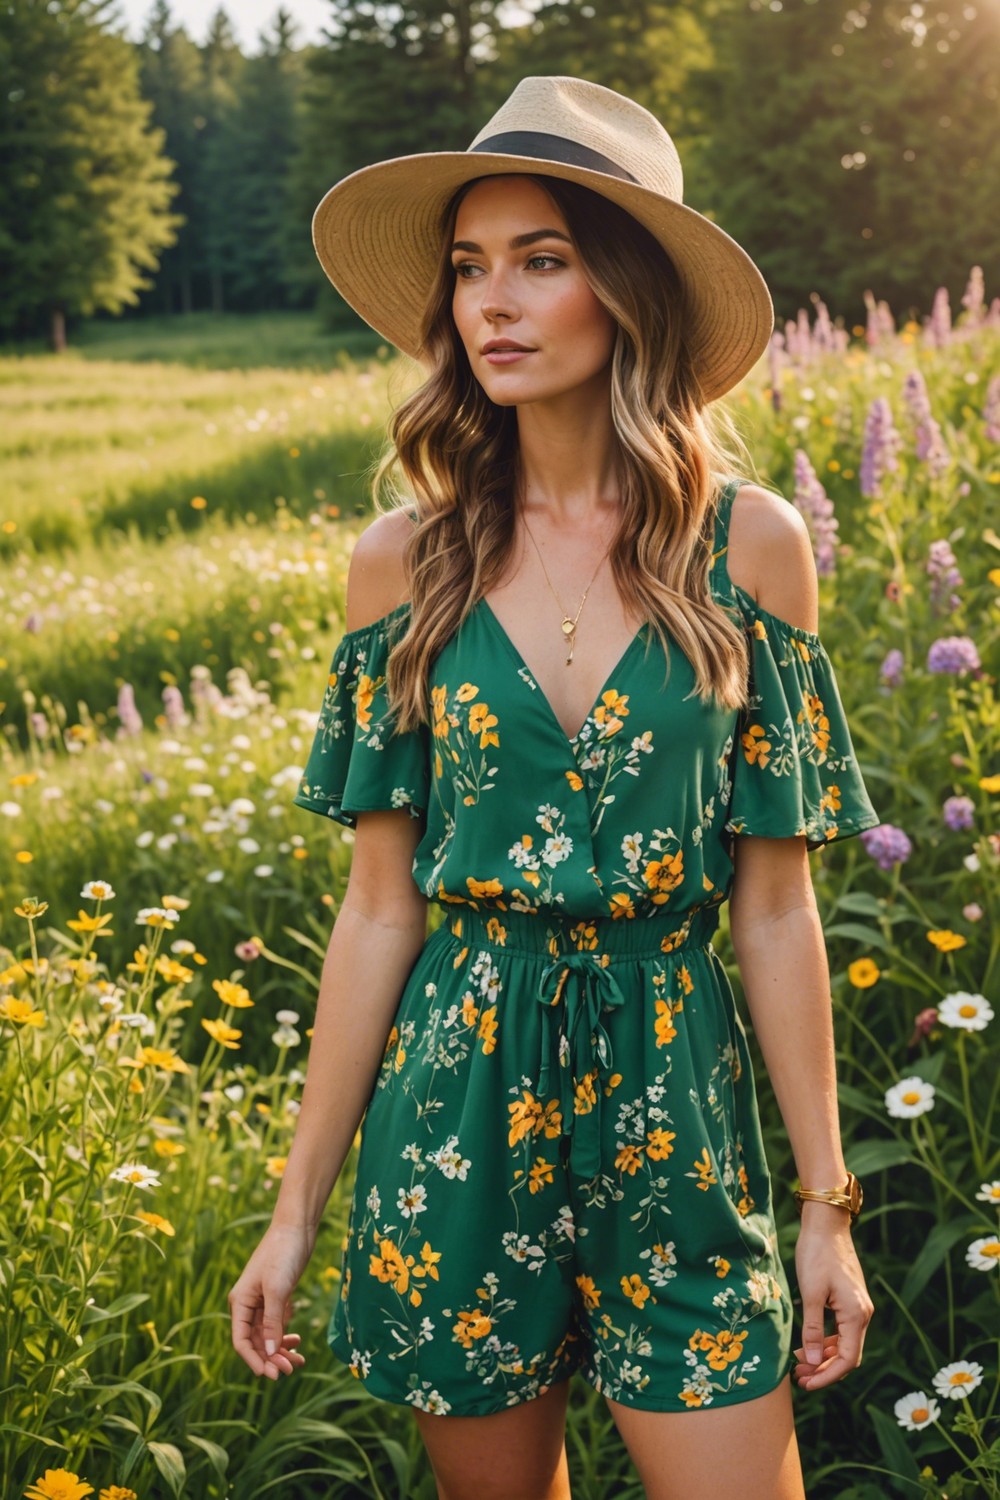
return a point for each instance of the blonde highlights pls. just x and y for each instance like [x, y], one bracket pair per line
[452, 456]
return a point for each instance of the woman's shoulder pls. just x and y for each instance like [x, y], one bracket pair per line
[770, 555]
[376, 578]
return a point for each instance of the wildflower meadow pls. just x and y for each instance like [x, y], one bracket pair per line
[169, 609]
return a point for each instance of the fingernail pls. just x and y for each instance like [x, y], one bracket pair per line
[270, 1345]
[813, 1355]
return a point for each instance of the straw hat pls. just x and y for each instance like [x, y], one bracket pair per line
[378, 232]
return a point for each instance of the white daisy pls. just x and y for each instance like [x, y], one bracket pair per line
[958, 1379]
[916, 1411]
[136, 1174]
[969, 1012]
[984, 1254]
[989, 1192]
[910, 1096]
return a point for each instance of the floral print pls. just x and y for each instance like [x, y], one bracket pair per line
[561, 1166]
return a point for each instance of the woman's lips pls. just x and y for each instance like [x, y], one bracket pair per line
[506, 356]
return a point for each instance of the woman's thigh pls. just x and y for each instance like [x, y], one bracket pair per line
[515, 1454]
[747, 1449]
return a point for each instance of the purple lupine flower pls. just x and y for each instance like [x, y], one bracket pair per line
[974, 297]
[887, 845]
[958, 813]
[128, 715]
[929, 442]
[173, 702]
[953, 654]
[992, 319]
[815, 505]
[892, 668]
[945, 578]
[774, 367]
[881, 443]
[939, 326]
[32, 623]
[991, 411]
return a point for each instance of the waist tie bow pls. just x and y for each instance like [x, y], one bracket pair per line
[585, 987]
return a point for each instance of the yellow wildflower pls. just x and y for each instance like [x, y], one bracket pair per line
[20, 1013]
[226, 1036]
[59, 1484]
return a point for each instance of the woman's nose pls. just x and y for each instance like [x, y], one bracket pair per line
[497, 299]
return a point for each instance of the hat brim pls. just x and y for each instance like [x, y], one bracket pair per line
[377, 236]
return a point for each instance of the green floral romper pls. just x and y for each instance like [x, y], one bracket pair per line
[561, 1165]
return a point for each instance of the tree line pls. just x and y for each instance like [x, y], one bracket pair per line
[847, 144]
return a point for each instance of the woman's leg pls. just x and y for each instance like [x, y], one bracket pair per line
[748, 1449]
[515, 1454]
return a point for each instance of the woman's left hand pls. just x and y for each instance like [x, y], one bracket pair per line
[829, 1275]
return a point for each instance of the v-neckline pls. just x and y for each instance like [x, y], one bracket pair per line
[570, 740]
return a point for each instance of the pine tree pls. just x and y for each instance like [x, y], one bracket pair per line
[84, 189]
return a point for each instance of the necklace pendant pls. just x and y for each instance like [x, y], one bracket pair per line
[568, 626]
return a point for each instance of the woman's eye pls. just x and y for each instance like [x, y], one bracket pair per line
[463, 267]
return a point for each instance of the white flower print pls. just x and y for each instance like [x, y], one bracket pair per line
[450, 1161]
[412, 1201]
[374, 1202]
[557, 849]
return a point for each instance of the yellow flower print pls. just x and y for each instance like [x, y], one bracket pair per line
[756, 745]
[629, 1158]
[612, 1084]
[664, 1024]
[611, 713]
[528, 1115]
[430, 1259]
[389, 1266]
[831, 800]
[819, 724]
[722, 1265]
[466, 691]
[391, 1041]
[482, 722]
[759, 630]
[470, 1326]
[621, 905]
[686, 982]
[944, 940]
[721, 1348]
[636, 1290]
[496, 931]
[575, 780]
[540, 1175]
[703, 1171]
[583, 936]
[746, 1203]
[863, 973]
[480, 889]
[591, 1294]
[802, 648]
[365, 697]
[664, 875]
[585, 1095]
[487, 1033]
[439, 704]
[659, 1147]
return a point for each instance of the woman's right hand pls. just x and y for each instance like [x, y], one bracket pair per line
[260, 1301]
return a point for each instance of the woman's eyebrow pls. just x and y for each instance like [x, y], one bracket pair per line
[518, 242]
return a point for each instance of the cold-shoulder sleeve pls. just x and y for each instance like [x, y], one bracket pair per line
[794, 769]
[358, 763]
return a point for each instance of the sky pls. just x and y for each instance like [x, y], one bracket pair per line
[248, 18]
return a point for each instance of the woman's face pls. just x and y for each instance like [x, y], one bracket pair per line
[518, 280]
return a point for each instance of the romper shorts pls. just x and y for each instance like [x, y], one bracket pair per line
[561, 1169]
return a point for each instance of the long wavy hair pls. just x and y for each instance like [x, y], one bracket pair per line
[452, 461]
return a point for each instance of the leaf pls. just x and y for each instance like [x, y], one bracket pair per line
[217, 1456]
[170, 1462]
[120, 1305]
[862, 902]
[870, 937]
[874, 1156]
[905, 1476]
[936, 1246]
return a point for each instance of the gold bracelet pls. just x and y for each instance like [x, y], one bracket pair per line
[850, 1196]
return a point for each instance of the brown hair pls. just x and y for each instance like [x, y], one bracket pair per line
[457, 455]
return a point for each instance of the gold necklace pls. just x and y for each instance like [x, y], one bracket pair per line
[568, 622]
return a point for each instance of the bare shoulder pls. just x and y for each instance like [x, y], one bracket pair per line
[770, 556]
[376, 581]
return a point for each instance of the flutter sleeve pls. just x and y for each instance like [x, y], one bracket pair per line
[793, 769]
[357, 762]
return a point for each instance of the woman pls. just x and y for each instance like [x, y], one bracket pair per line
[561, 1166]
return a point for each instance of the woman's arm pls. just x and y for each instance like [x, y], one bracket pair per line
[379, 932]
[778, 942]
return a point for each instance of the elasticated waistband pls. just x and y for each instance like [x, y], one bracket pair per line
[549, 934]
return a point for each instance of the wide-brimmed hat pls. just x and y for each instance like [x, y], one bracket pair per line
[378, 232]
